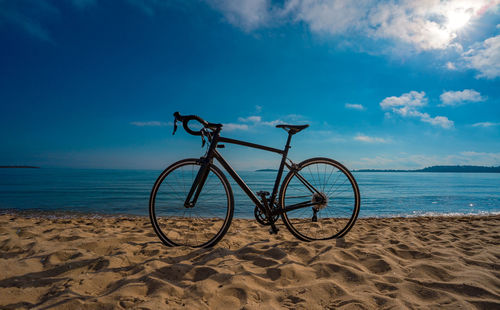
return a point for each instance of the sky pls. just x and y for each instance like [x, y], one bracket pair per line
[382, 84]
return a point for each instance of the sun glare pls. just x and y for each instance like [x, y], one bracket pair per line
[457, 19]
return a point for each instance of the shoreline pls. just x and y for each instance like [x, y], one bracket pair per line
[79, 214]
[119, 263]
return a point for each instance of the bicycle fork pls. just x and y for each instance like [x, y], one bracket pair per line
[202, 175]
[198, 183]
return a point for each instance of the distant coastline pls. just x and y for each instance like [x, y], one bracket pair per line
[30, 167]
[266, 170]
[467, 169]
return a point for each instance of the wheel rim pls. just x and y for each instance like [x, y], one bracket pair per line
[199, 226]
[338, 211]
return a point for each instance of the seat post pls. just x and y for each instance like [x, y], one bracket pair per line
[288, 140]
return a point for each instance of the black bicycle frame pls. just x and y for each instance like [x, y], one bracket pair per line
[212, 152]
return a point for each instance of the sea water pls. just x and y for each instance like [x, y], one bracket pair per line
[126, 192]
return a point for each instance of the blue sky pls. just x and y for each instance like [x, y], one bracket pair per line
[387, 84]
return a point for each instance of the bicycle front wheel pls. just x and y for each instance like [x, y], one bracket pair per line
[326, 181]
[200, 226]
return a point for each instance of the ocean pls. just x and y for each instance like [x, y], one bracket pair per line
[126, 192]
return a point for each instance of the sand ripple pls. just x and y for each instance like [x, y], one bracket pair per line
[118, 263]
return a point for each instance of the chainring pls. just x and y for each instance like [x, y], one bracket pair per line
[262, 218]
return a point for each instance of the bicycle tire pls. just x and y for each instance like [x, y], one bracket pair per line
[329, 177]
[175, 224]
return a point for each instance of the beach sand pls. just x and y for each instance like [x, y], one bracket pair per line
[118, 262]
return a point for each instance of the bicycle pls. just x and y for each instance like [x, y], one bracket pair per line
[192, 203]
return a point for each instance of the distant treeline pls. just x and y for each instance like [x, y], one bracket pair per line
[19, 167]
[441, 169]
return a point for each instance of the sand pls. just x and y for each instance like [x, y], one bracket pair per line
[116, 263]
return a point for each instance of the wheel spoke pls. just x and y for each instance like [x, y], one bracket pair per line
[339, 210]
[204, 223]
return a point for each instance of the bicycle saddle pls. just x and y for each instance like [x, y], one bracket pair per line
[292, 129]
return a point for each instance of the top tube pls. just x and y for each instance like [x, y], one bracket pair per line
[252, 145]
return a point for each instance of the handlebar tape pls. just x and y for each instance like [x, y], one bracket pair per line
[185, 120]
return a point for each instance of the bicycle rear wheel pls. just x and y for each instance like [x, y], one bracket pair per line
[337, 191]
[200, 226]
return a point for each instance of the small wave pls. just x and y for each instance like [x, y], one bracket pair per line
[63, 214]
[434, 214]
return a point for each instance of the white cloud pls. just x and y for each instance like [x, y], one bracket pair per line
[407, 105]
[421, 25]
[479, 158]
[485, 124]
[257, 120]
[412, 22]
[151, 124]
[354, 106]
[425, 25]
[412, 99]
[485, 58]
[450, 66]
[250, 119]
[232, 126]
[333, 17]
[246, 14]
[404, 161]
[454, 98]
[368, 139]
[441, 121]
[272, 123]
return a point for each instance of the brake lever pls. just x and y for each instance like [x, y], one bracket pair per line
[202, 139]
[175, 126]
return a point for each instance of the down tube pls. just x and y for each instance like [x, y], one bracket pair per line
[237, 179]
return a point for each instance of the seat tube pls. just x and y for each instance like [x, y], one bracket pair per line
[280, 171]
